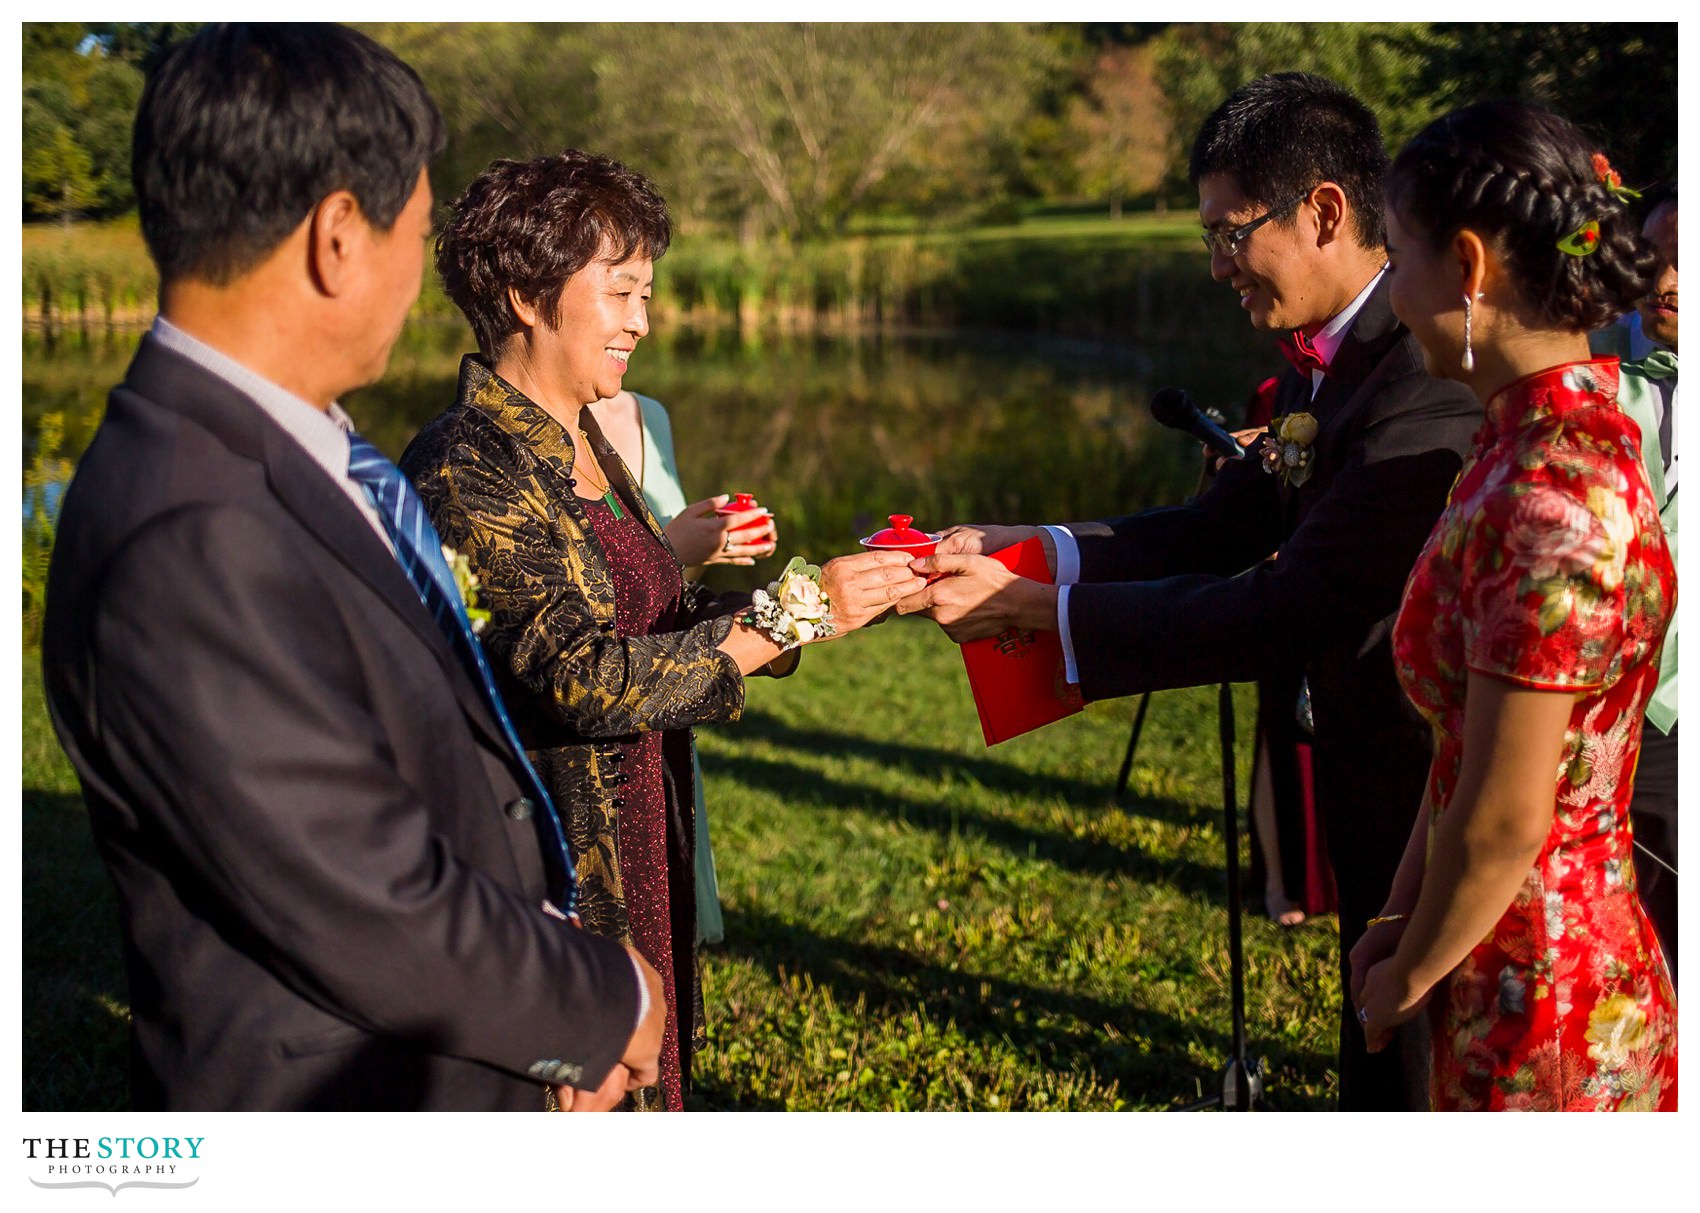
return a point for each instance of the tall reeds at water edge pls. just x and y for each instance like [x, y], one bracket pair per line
[798, 373]
[1098, 281]
[93, 275]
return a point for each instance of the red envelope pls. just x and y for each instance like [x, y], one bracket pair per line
[1017, 676]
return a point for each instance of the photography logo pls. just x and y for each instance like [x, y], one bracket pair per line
[113, 1163]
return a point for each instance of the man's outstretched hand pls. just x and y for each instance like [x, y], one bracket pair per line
[975, 596]
[973, 539]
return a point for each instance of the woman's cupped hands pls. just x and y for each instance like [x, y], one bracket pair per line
[701, 536]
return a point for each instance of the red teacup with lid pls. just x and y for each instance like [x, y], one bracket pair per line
[739, 503]
[901, 536]
[742, 503]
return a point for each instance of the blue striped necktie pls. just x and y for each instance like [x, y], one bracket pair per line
[420, 553]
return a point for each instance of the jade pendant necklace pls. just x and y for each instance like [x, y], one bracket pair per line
[608, 498]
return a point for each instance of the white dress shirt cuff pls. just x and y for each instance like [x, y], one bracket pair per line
[1068, 555]
[1070, 671]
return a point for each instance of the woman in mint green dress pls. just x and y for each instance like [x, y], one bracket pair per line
[640, 431]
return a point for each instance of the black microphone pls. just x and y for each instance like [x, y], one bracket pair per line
[1173, 407]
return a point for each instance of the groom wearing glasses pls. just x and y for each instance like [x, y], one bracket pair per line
[1288, 171]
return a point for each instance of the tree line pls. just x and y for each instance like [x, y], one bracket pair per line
[810, 130]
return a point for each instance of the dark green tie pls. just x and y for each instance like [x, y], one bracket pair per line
[1659, 366]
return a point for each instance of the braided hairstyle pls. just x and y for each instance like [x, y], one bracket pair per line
[1523, 179]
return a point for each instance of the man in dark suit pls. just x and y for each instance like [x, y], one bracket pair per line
[1288, 172]
[337, 881]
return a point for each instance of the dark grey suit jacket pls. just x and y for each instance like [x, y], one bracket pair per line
[329, 889]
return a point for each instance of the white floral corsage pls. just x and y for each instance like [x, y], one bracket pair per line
[1286, 449]
[795, 609]
[467, 584]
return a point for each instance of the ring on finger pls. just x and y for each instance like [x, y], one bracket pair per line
[1363, 1015]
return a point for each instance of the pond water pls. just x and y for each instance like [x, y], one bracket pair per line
[832, 432]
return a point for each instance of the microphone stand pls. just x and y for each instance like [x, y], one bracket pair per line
[1241, 1086]
[1132, 744]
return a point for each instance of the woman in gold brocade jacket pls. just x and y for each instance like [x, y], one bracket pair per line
[605, 654]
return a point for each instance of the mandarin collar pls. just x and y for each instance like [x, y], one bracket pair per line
[1551, 393]
[545, 439]
[514, 412]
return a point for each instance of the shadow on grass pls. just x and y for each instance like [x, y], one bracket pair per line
[710, 1094]
[75, 1000]
[933, 763]
[1060, 1029]
[75, 1027]
[808, 787]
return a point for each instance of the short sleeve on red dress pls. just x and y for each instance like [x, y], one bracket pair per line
[1542, 590]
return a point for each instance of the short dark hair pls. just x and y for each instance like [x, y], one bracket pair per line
[1286, 133]
[243, 129]
[1524, 178]
[533, 224]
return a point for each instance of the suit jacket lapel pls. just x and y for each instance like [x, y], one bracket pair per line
[1373, 332]
[301, 486]
[325, 510]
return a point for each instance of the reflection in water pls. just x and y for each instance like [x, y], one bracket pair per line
[832, 433]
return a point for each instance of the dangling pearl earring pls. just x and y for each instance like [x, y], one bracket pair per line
[1469, 354]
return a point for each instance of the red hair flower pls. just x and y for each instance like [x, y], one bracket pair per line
[1609, 177]
[1605, 173]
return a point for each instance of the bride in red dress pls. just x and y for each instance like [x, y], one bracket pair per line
[1529, 637]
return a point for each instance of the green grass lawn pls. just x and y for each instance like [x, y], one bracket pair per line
[75, 1013]
[912, 920]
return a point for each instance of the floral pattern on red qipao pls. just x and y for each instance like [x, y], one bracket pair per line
[1549, 569]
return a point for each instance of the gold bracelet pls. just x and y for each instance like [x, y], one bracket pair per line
[1381, 918]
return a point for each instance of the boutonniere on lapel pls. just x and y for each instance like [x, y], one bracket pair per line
[467, 584]
[1286, 448]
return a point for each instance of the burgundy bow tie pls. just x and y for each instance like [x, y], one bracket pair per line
[1298, 350]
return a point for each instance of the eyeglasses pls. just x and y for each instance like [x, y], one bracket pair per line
[1228, 242]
